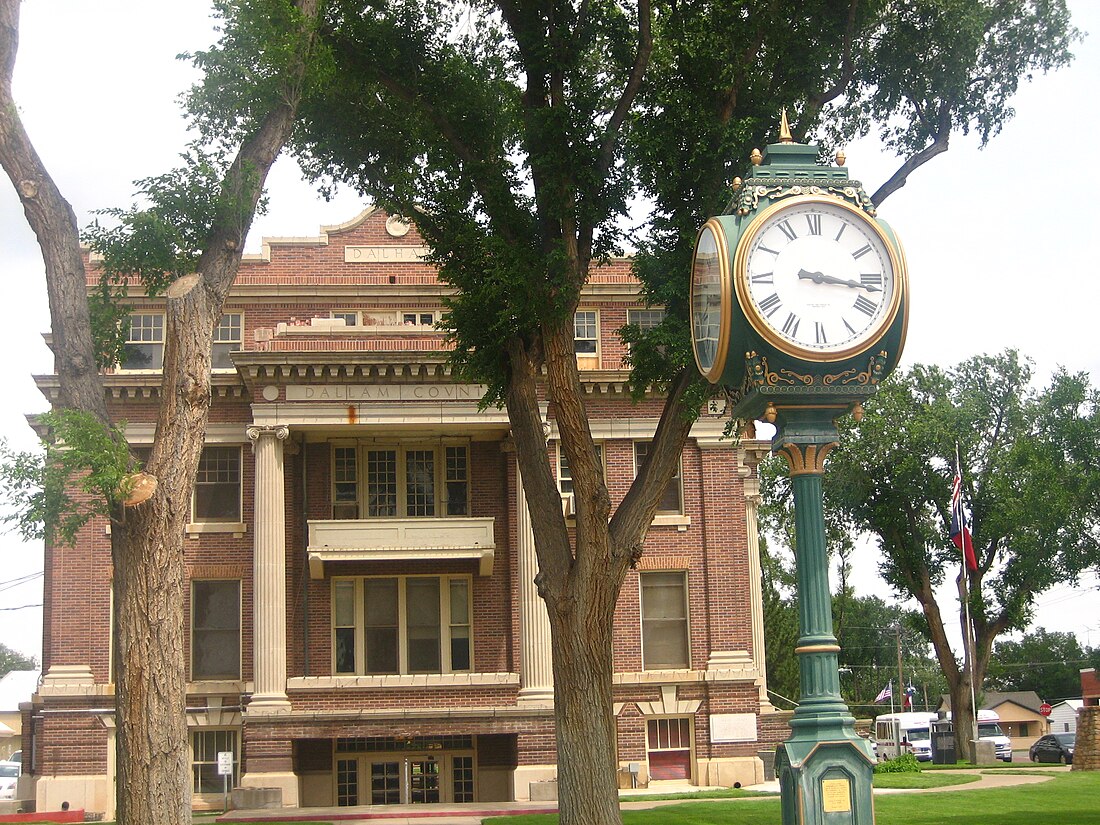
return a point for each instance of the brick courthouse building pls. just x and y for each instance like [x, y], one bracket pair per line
[362, 623]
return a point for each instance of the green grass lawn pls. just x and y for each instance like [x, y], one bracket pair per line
[922, 780]
[1066, 799]
[720, 793]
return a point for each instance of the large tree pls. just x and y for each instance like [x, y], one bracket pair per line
[517, 135]
[195, 224]
[1031, 480]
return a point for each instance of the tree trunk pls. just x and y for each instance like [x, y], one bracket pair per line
[584, 722]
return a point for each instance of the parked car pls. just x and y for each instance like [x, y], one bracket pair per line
[17, 756]
[9, 775]
[1054, 747]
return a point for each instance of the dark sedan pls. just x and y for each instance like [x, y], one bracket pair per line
[1054, 747]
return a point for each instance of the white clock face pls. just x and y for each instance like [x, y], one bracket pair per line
[708, 287]
[817, 278]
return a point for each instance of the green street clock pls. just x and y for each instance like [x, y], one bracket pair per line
[801, 286]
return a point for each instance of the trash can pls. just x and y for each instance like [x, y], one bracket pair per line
[943, 742]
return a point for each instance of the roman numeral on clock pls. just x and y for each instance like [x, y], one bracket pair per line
[770, 304]
[786, 228]
[790, 326]
[819, 333]
[843, 226]
[871, 279]
[863, 250]
[764, 278]
[814, 222]
[763, 248]
[865, 306]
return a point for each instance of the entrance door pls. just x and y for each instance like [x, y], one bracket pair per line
[423, 780]
[385, 783]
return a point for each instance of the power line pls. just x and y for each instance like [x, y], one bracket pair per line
[21, 607]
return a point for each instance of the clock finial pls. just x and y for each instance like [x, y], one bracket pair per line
[784, 128]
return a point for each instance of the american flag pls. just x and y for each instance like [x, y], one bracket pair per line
[960, 530]
[885, 693]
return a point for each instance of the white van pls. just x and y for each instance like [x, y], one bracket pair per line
[989, 730]
[898, 733]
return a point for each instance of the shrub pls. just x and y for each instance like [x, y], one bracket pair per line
[906, 763]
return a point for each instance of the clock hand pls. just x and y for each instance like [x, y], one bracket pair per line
[821, 278]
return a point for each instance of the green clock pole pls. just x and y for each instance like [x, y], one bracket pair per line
[825, 768]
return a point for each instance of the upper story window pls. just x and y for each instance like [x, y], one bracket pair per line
[227, 339]
[418, 317]
[218, 485]
[645, 319]
[565, 474]
[413, 481]
[215, 629]
[144, 347]
[402, 624]
[586, 335]
[664, 621]
[349, 316]
[672, 499]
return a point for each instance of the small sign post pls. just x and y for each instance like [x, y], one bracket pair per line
[225, 770]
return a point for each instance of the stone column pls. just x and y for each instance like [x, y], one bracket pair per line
[536, 674]
[269, 574]
[756, 595]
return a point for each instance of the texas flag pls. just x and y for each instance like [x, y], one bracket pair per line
[960, 530]
[910, 692]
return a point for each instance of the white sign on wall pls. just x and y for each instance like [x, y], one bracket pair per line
[733, 727]
[225, 763]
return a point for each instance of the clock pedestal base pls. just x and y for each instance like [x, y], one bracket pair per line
[825, 768]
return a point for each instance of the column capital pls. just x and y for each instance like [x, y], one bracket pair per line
[806, 459]
[279, 431]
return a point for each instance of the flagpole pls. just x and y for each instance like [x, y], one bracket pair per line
[968, 624]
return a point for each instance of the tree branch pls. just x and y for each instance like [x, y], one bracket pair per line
[53, 222]
[815, 104]
[937, 147]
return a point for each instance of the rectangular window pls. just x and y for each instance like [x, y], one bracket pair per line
[345, 483]
[144, 347]
[565, 475]
[426, 319]
[349, 316]
[218, 485]
[400, 482]
[585, 332]
[215, 629]
[664, 621]
[671, 498]
[206, 744]
[227, 339]
[402, 624]
[645, 319]
[457, 481]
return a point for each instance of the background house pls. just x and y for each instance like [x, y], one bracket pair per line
[1063, 716]
[1019, 715]
[16, 687]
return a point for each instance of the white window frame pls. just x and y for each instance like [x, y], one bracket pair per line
[584, 331]
[447, 627]
[196, 519]
[240, 640]
[419, 317]
[441, 501]
[683, 576]
[565, 474]
[145, 337]
[195, 762]
[223, 338]
[677, 479]
[352, 317]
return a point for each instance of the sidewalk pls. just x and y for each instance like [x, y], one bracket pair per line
[474, 813]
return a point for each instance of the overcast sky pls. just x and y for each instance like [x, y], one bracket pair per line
[1000, 242]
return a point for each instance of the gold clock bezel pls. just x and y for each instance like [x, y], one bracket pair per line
[749, 308]
[726, 300]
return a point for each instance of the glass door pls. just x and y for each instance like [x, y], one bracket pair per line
[385, 783]
[423, 780]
